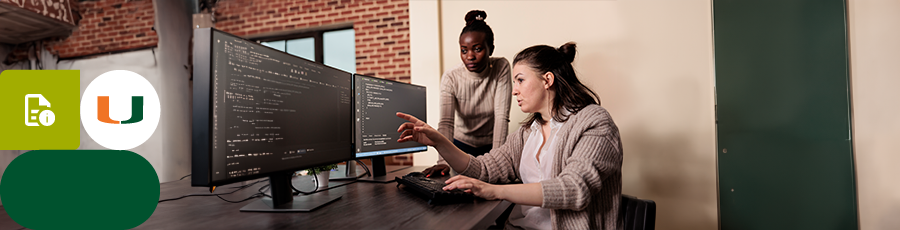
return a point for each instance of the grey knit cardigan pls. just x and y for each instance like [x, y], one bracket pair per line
[586, 188]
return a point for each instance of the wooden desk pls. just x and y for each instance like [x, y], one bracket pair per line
[363, 206]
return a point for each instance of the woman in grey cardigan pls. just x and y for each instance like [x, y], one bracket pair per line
[567, 153]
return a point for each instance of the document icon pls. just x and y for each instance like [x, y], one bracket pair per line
[52, 111]
[35, 114]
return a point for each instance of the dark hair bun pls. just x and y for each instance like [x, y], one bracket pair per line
[568, 51]
[473, 16]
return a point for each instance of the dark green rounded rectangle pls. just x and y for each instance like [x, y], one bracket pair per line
[80, 189]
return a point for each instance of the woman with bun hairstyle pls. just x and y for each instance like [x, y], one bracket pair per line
[567, 153]
[478, 91]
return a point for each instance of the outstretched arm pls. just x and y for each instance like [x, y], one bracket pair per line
[419, 131]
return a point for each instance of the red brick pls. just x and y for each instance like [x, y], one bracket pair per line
[249, 17]
[121, 27]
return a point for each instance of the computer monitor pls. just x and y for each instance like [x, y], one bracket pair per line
[259, 112]
[377, 101]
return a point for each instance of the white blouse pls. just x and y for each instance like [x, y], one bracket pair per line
[534, 170]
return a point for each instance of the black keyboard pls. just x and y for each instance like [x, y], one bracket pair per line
[433, 190]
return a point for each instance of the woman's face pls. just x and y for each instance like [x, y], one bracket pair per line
[473, 51]
[530, 89]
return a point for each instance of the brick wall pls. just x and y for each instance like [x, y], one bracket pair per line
[381, 26]
[105, 26]
[108, 26]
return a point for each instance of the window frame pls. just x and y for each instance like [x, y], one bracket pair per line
[316, 33]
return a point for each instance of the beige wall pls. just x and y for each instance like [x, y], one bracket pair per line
[651, 63]
[874, 27]
[425, 66]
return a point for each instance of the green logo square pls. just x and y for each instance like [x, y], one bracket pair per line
[40, 109]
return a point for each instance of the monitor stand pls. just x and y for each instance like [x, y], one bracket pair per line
[380, 173]
[283, 200]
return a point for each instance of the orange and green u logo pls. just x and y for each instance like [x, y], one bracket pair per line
[137, 110]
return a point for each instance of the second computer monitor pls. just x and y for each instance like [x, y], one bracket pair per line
[377, 102]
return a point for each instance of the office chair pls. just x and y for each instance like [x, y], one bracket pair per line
[637, 214]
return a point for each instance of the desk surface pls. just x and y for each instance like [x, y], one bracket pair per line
[363, 205]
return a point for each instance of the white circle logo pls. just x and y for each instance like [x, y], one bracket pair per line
[120, 110]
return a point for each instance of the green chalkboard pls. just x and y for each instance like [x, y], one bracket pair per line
[785, 159]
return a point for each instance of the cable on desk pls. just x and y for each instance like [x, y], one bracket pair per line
[217, 194]
[257, 195]
[298, 192]
[182, 178]
[266, 187]
[364, 167]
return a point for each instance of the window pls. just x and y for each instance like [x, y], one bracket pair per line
[335, 48]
